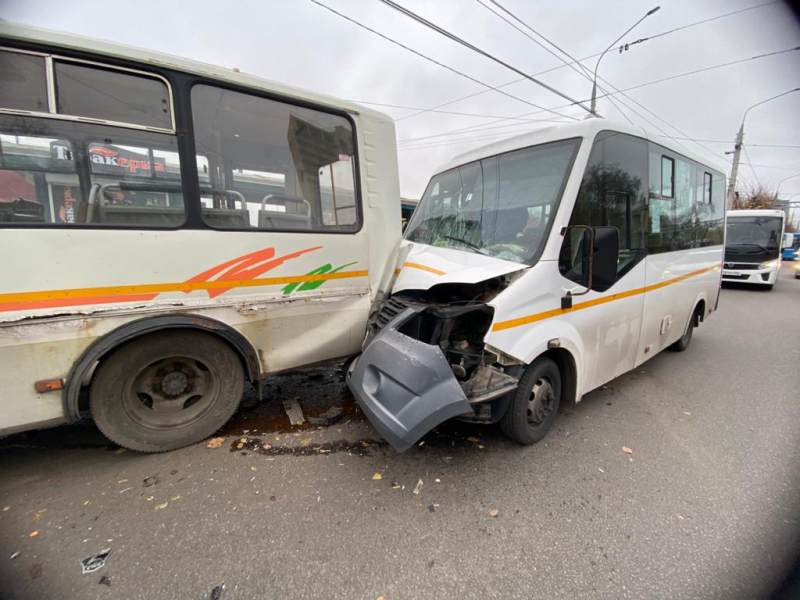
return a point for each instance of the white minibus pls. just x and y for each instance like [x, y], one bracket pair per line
[753, 243]
[536, 269]
[171, 230]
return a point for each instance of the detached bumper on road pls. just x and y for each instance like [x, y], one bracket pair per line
[404, 386]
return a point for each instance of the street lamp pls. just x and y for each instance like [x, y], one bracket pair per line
[738, 147]
[778, 189]
[593, 110]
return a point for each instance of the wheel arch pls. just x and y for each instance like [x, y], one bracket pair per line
[568, 368]
[101, 347]
[700, 302]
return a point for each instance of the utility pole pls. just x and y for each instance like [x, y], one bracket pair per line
[737, 151]
[738, 148]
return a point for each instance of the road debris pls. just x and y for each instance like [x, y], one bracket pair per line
[215, 443]
[90, 564]
[162, 505]
[218, 593]
[33, 534]
[474, 440]
[494, 512]
[6, 508]
[377, 477]
[431, 508]
[15, 555]
[123, 481]
[418, 487]
[395, 485]
[105, 581]
[176, 497]
[148, 481]
[328, 418]
[293, 411]
[601, 470]
[627, 450]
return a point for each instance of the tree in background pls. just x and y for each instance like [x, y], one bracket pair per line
[761, 197]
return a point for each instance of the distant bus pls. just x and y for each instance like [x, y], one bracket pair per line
[172, 230]
[792, 252]
[407, 208]
[753, 246]
[535, 270]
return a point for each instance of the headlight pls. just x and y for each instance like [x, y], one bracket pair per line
[768, 265]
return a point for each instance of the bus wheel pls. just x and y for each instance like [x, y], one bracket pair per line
[166, 390]
[535, 404]
[683, 343]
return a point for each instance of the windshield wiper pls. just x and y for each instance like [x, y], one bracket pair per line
[763, 249]
[466, 243]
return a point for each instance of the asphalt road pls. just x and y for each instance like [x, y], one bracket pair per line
[707, 506]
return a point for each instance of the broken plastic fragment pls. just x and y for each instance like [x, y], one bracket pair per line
[494, 512]
[15, 555]
[418, 487]
[627, 450]
[162, 505]
[105, 581]
[377, 477]
[33, 534]
[90, 564]
[218, 593]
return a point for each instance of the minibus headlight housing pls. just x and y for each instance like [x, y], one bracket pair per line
[768, 264]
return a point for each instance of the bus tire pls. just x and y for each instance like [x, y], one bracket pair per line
[535, 403]
[166, 390]
[686, 339]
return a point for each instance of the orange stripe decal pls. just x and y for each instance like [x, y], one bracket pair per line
[134, 293]
[411, 265]
[502, 325]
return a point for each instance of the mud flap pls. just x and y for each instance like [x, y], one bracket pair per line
[404, 386]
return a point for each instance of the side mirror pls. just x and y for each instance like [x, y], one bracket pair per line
[605, 258]
[589, 257]
[788, 240]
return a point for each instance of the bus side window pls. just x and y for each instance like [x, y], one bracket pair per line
[614, 193]
[274, 165]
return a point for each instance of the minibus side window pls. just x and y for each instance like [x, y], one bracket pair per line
[273, 165]
[614, 193]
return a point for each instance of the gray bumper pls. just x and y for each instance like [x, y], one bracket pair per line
[405, 387]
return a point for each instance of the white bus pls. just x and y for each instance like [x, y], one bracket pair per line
[753, 243]
[171, 230]
[537, 269]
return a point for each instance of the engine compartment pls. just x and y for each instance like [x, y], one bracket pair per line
[456, 318]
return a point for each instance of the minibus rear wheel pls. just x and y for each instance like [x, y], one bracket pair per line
[166, 390]
[535, 404]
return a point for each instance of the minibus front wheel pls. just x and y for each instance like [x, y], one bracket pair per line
[535, 403]
[166, 390]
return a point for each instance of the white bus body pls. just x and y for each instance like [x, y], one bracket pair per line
[149, 204]
[492, 316]
[753, 246]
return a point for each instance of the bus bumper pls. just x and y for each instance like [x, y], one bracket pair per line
[404, 386]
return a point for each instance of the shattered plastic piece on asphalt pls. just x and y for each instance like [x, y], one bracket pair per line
[148, 481]
[218, 593]
[105, 581]
[161, 506]
[494, 512]
[90, 564]
[627, 450]
[328, 418]
[418, 487]
[15, 555]
[33, 534]
[215, 443]
[377, 477]
[395, 485]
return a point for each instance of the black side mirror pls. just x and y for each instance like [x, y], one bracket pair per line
[605, 257]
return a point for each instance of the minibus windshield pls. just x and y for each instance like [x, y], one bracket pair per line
[500, 206]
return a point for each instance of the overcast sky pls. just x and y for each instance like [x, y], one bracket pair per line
[300, 43]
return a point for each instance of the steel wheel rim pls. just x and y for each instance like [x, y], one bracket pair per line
[541, 403]
[171, 391]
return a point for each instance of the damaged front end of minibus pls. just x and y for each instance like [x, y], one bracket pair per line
[426, 361]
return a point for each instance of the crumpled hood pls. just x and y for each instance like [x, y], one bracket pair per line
[421, 267]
